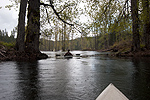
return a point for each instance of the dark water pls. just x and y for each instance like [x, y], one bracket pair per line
[79, 78]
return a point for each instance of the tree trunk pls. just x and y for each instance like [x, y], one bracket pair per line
[20, 45]
[135, 25]
[56, 34]
[33, 28]
[64, 45]
[49, 45]
[146, 29]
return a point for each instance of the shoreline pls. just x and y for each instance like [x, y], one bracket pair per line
[119, 53]
[12, 55]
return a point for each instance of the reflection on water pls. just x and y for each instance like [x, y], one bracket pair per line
[141, 79]
[79, 78]
[28, 77]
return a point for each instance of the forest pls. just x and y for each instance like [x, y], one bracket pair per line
[82, 25]
[4, 37]
[110, 24]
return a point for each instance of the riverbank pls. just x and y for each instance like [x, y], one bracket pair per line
[126, 52]
[10, 54]
[145, 53]
[123, 49]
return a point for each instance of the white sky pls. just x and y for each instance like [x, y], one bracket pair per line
[8, 18]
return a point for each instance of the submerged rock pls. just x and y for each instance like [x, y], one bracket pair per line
[42, 56]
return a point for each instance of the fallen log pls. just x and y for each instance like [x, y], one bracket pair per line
[2, 54]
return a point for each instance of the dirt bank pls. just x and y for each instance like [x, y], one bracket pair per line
[123, 49]
[10, 54]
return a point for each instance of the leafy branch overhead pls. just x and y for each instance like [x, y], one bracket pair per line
[57, 13]
[66, 13]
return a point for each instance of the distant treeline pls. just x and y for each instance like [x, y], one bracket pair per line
[4, 37]
[83, 43]
[97, 42]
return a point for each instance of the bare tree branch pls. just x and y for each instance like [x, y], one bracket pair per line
[122, 11]
[57, 13]
[65, 6]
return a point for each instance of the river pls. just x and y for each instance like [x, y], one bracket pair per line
[78, 78]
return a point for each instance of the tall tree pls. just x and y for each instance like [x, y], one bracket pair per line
[135, 25]
[21, 26]
[33, 26]
[146, 26]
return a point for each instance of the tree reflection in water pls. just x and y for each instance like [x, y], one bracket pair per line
[28, 77]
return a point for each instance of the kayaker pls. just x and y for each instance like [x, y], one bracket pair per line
[68, 53]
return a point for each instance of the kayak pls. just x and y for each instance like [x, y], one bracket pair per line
[68, 56]
[111, 93]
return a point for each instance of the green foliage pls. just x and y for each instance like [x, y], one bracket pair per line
[111, 21]
[46, 45]
[5, 38]
[8, 45]
[51, 26]
[9, 6]
[142, 45]
[84, 43]
[14, 5]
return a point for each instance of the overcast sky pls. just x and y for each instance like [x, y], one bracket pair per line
[8, 18]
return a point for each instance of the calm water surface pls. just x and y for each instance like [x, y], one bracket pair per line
[79, 78]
